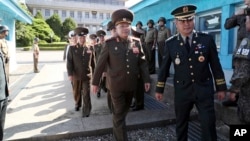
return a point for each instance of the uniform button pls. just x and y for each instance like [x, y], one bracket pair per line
[177, 81]
[192, 80]
[127, 60]
[189, 59]
[192, 73]
[191, 67]
[127, 66]
[127, 72]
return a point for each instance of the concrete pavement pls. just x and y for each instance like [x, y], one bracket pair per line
[42, 106]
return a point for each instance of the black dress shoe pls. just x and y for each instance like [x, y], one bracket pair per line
[98, 94]
[77, 108]
[138, 108]
[229, 103]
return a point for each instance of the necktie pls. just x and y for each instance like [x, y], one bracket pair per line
[187, 45]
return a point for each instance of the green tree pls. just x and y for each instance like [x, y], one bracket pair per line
[68, 25]
[39, 15]
[55, 24]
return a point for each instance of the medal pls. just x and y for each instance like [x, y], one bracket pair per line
[177, 60]
[201, 58]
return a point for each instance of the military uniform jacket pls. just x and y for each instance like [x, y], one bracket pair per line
[163, 34]
[151, 35]
[192, 70]
[123, 65]
[3, 79]
[80, 62]
[97, 49]
[4, 49]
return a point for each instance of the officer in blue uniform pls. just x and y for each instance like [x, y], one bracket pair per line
[197, 68]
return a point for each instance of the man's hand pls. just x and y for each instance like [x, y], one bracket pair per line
[159, 96]
[70, 78]
[147, 86]
[94, 89]
[232, 96]
[221, 95]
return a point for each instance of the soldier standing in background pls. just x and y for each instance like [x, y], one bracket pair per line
[151, 41]
[80, 66]
[36, 52]
[163, 34]
[71, 42]
[4, 32]
[124, 61]
[237, 20]
[4, 93]
[198, 74]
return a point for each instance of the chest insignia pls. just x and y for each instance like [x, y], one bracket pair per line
[177, 60]
[201, 58]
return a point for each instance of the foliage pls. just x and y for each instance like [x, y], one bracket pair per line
[39, 15]
[55, 24]
[68, 25]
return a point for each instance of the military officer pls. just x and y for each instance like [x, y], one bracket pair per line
[111, 28]
[163, 35]
[80, 65]
[4, 31]
[151, 41]
[237, 20]
[4, 93]
[197, 68]
[124, 61]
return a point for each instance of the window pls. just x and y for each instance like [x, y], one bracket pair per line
[64, 13]
[72, 14]
[79, 14]
[107, 15]
[55, 11]
[87, 15]
[101, 16]
[94, 13]
[211, 24]
[47, 12]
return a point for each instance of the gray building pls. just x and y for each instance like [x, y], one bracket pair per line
[87, 13]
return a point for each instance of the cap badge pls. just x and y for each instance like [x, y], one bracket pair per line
[124, 19]
[185, 9]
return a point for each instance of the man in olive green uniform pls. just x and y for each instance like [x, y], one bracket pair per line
[80, 66]
[101, 38]
[124, 61]
[36, 52]
[151, 41]
[163, 35]
[198, 74]
[4, 31]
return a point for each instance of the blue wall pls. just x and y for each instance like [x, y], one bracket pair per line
[153, 9]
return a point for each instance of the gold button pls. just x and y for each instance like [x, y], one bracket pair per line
[127, 72]
[191, 67]
[192, 80]
[127, 66]
[177, 81]
[127, 60]
[192, 73]
[189, 59]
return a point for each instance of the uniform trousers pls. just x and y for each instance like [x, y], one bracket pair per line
[3, 108]
[207, 118]
[81, 92]
[139, 94]
[161, 46]
[150, 55]
[121, 104]
[35, 61]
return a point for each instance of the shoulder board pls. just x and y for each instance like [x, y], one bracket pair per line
[172, 37]
[110, 39]
[201, 33]
[135, 38]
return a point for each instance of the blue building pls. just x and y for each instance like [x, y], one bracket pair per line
[10, 11]
[210, 18]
